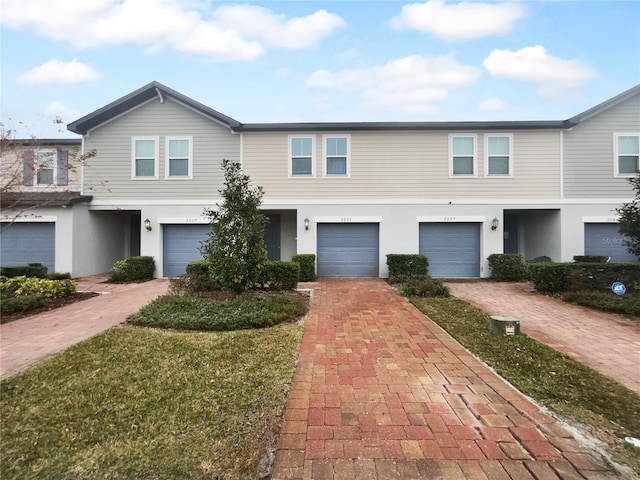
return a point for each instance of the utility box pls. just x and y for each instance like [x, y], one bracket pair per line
[505, 325]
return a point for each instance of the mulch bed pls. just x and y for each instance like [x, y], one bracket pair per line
[51, 305]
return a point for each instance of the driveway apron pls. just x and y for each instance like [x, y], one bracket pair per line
[382, 392]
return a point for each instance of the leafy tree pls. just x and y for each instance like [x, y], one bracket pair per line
[235, 247]
[630, 220]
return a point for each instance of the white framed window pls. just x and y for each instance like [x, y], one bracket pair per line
[337, 153]
[45, 167]
[462, 156]
[301, 156]
[498, 155]
[626, 148]
[144, 158]
[179, 158]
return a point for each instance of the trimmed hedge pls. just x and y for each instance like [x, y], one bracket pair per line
[30, 270]
[27, 286]
[133, 269]
[11, 305]
[551, 277]
[507, 267]
[402, 266]
[307, 262]
[591, 258]
[279, 275]
[425, 287]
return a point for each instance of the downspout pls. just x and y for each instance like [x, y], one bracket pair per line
[160, 95]
[562, 164]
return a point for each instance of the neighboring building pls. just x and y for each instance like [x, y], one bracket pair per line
[40, 201]
[353, 192]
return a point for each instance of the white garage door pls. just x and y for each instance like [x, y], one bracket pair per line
[348, 250]
[453, 249]
[604, 239]
[24, 243]
[181, 245]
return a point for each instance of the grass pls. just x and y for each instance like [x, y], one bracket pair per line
[610, 410]
[140, 403]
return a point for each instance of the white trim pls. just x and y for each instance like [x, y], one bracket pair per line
[348, 219]
[601, 219]
[347, 136]
[29, 218]
[486, 155]
[475, 154]
[290, 138]
[616, 169]
[451, 219]
[200, 220]
[167, 139]
[156, 167]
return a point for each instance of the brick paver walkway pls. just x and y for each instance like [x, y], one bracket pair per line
[607, 343]
[25, 341]
[381, 392]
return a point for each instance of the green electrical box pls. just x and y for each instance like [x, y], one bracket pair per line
[505, 325]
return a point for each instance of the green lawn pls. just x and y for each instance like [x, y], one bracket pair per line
[141, 403]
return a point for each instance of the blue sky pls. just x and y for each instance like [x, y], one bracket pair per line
[290, 61]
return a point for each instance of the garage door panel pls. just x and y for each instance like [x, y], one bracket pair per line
[604, 239]
[181, 245]
[24, 243]
[348, 250]
[453, 249]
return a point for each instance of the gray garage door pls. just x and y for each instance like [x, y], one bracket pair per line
[23, 243]
[181, 245]
[604, 239]
[453, 249]
[348, 250]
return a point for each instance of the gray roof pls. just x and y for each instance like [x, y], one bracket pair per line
[153, 89]
[41, 199]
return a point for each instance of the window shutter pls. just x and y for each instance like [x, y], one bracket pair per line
[63, 167]
[28, 167]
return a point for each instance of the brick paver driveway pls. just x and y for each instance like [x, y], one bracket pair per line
[381, 392]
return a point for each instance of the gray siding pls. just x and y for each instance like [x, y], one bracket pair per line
[108, 175]
[589, 150]
[406, 165]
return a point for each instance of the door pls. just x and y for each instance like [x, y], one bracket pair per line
[181, 245]
[24, 243]
[348, 249]
[453, 249]
[604, 239]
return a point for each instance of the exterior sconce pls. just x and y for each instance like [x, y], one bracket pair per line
[494, 224]
[306, 224]
[147, 224]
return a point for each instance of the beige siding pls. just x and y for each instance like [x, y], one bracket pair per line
[589, 153]
[406, 165]
[108, 175]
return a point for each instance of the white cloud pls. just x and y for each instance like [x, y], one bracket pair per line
[554, 76]
[461, 21]
[231, 32]
[410, 84]
[55, 71]
[492, 105]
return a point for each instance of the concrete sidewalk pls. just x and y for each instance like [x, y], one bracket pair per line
[606, 342]
[30, 339]
[381, 392]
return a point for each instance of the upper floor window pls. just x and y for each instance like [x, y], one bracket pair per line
[499, 155]
[336, 153]
[145, 157]
[627, 154]
[179, 157]
[45, 167]
[301, 159]
[462, 155]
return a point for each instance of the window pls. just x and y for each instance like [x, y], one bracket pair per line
[627, 152]
[498, 155]
[463, 155]
[301, 159]
[145, 158]
[179, 157]
[336, 153]
[45, 167]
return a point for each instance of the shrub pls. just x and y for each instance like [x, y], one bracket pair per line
[27, 286]
[133, 269]
[608, 302]
[279, 275]
[30, 270]
[429, 287]
[25, 303]
[243, 312]
[600, 276]
[550, 277]
[58, 276]
[507, 267]
[591, 258]
[406, 265]
[307, 262]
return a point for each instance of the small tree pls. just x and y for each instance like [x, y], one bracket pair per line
[630, 220]
[235, 247]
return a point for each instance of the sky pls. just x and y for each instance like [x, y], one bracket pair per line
[308, 61]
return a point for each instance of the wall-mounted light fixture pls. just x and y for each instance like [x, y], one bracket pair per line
[306, 224]
[494, 223]
[147, 224]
